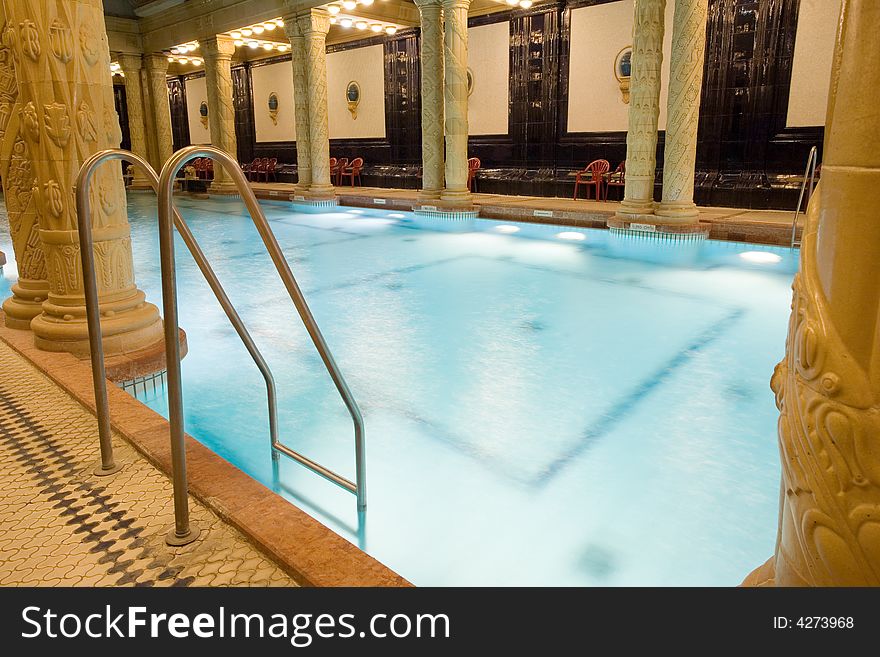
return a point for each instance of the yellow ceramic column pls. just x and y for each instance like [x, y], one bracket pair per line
[218, 51]
[314, 27]
[134, 101]
[17, 174]
[149, 119]
[455, 14]
[67, 113]
[644, 108]
[156, 67]
[683, 111]
[431, 57]
[828, 385]
[300, 105]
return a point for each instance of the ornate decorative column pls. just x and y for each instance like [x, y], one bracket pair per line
[456, 99]
[828, 385]
[644, 107]
[218, 51]
[66, 95]
[134, 100]
[683, 111]
[314, 26]
[149, 121]
[431, 56]
[300, 105]
[18, 193]
[156, 67]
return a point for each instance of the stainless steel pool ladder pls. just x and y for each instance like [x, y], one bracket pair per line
[809, 177]
[184, 532]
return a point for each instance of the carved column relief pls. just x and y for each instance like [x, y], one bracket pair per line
[67, 113]
[134, 100]
[300, 105]
[683, 110]
[828, 385]
[456, 101]
[218, 51]
[314, 27]
[431, 56]
[149, 120]
[156, 67]
[644, 107]
[17, 173]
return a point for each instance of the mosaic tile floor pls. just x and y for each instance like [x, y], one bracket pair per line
[62, 526]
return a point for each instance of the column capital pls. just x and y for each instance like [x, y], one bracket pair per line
[313, 22]
[456, 4]
[291, 27]
[218, 46]
[426, 4]
[156, 63]
[129, 62]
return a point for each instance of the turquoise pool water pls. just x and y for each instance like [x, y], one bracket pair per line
[539, 410]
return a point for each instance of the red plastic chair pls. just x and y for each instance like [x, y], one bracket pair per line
[269, 168]
[592, 176]
[250, 168]
[352, 171]
[617, 178]
[209, 168]
[473, 167]
[340, 167]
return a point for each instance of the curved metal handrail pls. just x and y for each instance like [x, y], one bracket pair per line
[169, 299]
[183, 527]
[809, 174]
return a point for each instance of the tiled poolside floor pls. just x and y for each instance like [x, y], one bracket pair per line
[62, 526]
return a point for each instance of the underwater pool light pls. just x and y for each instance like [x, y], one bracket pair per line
[761, 257]
[571, 235]
[507, 228]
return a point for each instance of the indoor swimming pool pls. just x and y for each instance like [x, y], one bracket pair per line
[543, 405]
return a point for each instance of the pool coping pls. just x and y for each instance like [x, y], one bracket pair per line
[732, 224]
[310, 552]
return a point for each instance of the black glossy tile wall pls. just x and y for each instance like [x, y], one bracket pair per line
[403, 127]
[119, 101]
[179, 120]
[242, 99]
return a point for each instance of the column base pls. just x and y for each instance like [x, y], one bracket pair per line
[128, 325]
[223, 188]
[655, 226]
[25, 303]
[142, 362]
[430, 194]
[320, 193]
[630, 208]
[457, 197]
[140, 182]
[681, 212]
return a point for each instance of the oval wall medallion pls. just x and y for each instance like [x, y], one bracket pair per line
[353, 97]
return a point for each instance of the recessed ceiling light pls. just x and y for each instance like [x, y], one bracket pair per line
[361, 25]
[366, 3]
[235, 35]
[197, 62]
[183, 60]
[247, 31]
[258, 29]
[269, 26]
[268, 46]
[345, 22]
[376, 27]
[349, 4]
[253, 44]
[170, 59]
[238, 42]
[761, 257]
[391, 29]
[571, 235]
[333, 9]
[283, 47]
[279, 22]
[175, 51]
[525, 4]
